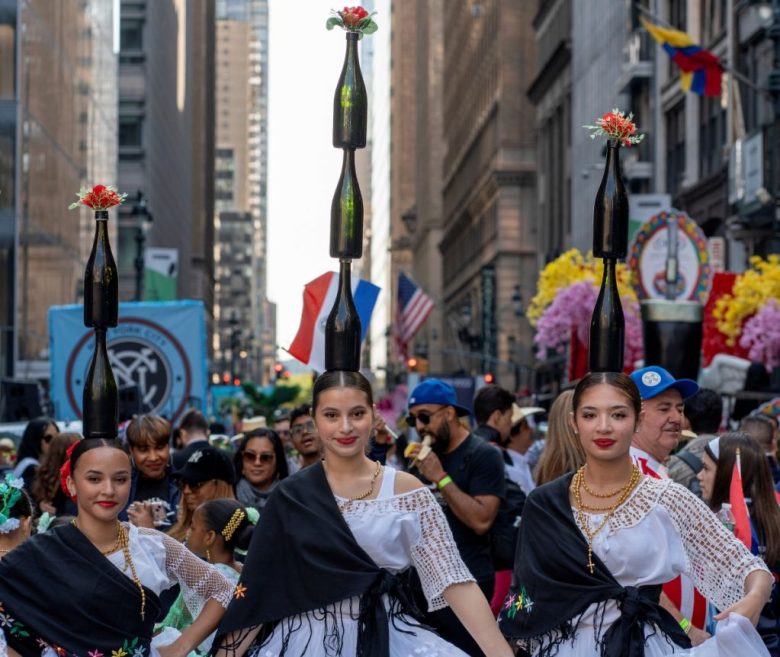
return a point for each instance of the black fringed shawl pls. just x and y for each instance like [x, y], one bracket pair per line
[57, 588]
[552, 585]
[303, 558]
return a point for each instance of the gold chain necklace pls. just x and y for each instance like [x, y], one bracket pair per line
[602, 496]
[123, 543]
[577, 483]
[371, 488]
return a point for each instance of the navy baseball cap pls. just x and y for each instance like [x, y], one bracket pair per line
[435, 391]
[653, 380]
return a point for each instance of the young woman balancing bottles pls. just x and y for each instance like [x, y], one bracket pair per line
[596, 545]
[325, 572]
[90, 588]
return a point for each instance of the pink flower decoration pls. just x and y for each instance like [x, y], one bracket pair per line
[761, 335]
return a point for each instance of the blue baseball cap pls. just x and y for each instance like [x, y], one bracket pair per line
[436, 391]
[653, 380]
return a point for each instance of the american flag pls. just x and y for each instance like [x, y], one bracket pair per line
[413, 309]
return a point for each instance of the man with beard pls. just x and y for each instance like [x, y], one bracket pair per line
[304, 436]
[467, 476]
[658, 434]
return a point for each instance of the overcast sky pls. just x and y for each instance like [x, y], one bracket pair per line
[303, 167]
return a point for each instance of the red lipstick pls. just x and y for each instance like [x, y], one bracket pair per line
[604, 443]
[349, 440]
[107, 504]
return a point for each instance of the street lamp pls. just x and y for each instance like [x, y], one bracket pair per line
[141, 212]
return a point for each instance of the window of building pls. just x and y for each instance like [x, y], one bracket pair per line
[131, 34]
[7, 61]
[131, 131]
[713, 20]
[678, 17]
[7, 155]
[712, 135]
[675, 147]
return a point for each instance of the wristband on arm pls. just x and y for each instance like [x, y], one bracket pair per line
[444, 481]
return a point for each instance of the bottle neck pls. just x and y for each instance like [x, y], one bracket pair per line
[345, 277]
[101, 215]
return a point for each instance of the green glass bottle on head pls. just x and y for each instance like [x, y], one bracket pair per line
[346, 213]
[342, 329]
[101, 280]
[350, 101]
[100, 401]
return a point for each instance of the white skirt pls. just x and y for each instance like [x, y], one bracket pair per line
[734, 637]
[310, 634]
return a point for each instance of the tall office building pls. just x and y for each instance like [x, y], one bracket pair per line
[58, 129]
[166, 142]
[245, 339]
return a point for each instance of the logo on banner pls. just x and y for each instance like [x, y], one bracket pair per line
[142, 354]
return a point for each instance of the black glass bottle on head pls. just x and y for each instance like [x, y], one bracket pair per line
[342, 330]
[610, 211]
[607, 326]
[100, 402]
[101, 282]
[346, 213]
[350, 102]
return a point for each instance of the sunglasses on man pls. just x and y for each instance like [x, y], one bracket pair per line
[423, 417]
[299, 429]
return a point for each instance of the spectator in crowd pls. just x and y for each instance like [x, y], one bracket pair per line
[761, 428]
[282, 428]
[304, 436]
[16, 516]
[467, 476]
[207, 475]
[563, 451]
[154, 495]
[193, 434]
[260, 464]
[719, 458]
[704, 412]
[521, 437]
[34, 444]
[46, 489]
[7, 454]
[657, 436]
[493, 413]
[219, 527]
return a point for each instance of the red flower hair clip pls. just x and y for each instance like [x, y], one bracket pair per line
[100, 197]
[65, 472]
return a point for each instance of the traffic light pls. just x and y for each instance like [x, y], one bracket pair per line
[236, 382]
[417, 364]
[489, 378]
[226, 378]
[279, 370]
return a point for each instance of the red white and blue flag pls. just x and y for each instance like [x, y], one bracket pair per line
[318, 298]
[412, 310]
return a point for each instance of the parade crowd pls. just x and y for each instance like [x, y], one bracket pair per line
[613, 533]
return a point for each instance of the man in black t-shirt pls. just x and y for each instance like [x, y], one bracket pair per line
[467, 477]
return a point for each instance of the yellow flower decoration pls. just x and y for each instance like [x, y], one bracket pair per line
[751, 291]
[572, 267]
[118, 653]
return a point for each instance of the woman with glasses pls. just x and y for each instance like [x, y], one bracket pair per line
[260, 464]
[154, 496]
[207, 475]
[330, 576]
[34, 444]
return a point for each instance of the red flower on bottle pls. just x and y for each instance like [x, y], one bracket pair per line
[100, 197]
[353, 19]
[616, 126]
[65, 472]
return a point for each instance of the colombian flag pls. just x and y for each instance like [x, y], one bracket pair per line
[700, 70]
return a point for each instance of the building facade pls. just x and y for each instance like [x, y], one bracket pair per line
[166, 142]
[245, 339]
[58, 130]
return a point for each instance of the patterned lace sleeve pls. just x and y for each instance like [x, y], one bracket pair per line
[196, 578]
[435, 556]
[718, 562]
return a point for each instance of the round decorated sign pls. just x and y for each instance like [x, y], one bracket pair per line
[143, 354]
[772, 407]
[647, 259]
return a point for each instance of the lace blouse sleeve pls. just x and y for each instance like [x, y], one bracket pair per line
[435, 556]
[718, 562]
[196, 578]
